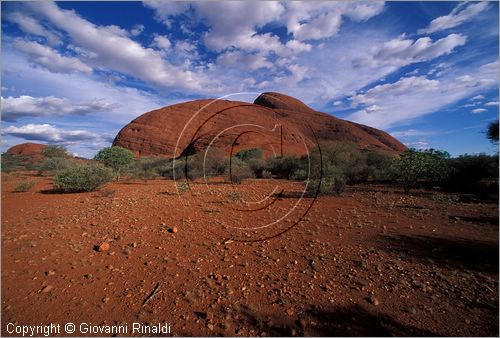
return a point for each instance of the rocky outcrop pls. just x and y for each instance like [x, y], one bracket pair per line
[27, 149]
[277, 123]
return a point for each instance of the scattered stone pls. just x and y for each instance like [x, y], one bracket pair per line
[48, 288]
[104, 247]
[174, 230]
[374, 301]
[50, 273]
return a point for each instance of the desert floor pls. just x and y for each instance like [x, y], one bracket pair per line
[374, 261]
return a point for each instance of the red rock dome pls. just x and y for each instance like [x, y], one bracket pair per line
[277, 123]
[27, 149]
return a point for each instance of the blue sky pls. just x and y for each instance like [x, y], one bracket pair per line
[74, 73]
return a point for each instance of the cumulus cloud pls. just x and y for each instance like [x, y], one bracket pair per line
[319, 20]
[31, 26]
[51, 134]
[478, 110]
[49, 58]
[461, 13]
[114, 50]
[14, 108]
[401, 51]
[477, 97]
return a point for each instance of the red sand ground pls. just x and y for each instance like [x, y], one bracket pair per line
[371, 262]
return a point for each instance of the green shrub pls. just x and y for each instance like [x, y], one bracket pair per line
[248, 154]
[24, 186]
[333, 181]
[258, 166]
[283, 167]
[267, 174]
[239, 170]
[53, 164]
[12, 162]
[117, 158]
[424, 166]
[182, 187]
[82, 178]
[299, 175]
[52, 151]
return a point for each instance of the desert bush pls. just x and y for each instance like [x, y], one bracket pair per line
[248, 154]
[267, 174]
[258, 166]
[216, 162]
[477, 174]
[117, 158]
[380, 166]
[24, 186]
[12, 162]
[283, 167]
[239, 170]
[51, 165]
[83, 177]
[146, 168]
[421, 167]
[444, 198]
[333, 182]
[182, 187]
[299, 175]
[52, 151]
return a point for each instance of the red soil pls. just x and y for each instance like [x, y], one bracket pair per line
[275, 122]
[374, 261]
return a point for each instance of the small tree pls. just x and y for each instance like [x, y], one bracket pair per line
[428, 165]
[53, 151]
[492, 132]
[117, 158]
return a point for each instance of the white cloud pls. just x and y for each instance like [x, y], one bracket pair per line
[116, 51]
[162, 42]
[243, 60]
[461, 13]
[50, 58]
[478, 110]
[413, 97]
[137, 30]
[319, 20]
[401, 51]
[491, 103]
[477, 97]
[14, 108]
[399, 88]
[31, 26]
[49, 133]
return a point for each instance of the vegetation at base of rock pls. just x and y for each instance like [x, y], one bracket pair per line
[24, 186]
[82, 178]
[117, 158]
[53, 151]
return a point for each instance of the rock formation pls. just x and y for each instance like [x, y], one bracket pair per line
[277, 123]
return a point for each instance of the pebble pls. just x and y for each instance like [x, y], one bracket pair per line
[104, 247]
[374, 301]
[48, 288]
[174, 230]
